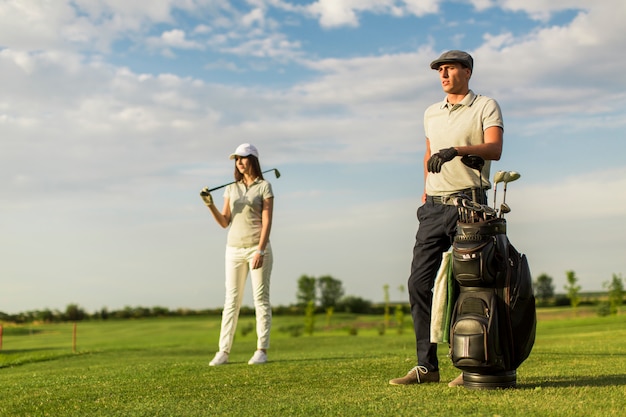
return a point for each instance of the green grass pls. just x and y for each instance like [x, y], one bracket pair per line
[159, 367]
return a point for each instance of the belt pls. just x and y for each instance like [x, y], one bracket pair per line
[439, 199]
[448, 199]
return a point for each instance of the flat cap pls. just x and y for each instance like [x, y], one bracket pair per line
[461, 57]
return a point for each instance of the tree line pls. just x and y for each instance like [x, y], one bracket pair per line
[331, 294]
[326, 294]
[545, 294]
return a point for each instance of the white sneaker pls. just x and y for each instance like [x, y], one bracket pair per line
[221, 358]
[258, 358]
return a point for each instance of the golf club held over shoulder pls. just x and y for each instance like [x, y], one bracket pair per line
[276, 172]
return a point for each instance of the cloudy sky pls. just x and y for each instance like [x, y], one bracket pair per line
[114, 114]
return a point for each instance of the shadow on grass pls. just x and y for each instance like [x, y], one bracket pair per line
[16, 351]
[19, 357]
[20, 331]
[298, 361]
[590, 381]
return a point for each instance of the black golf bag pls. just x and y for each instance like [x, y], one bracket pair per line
[493, 323]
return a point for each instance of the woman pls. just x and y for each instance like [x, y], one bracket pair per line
[248, 209]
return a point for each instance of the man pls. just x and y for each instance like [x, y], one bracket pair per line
[464, 123]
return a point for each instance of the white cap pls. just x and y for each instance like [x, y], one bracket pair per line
[245, 149]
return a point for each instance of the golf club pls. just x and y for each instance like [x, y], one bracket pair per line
[498, 177]
[460, 202]
[475, 162]
[504, 208]
[473, 208]
[489, 213]
[276, 172]
[457, 201]
[512, 176]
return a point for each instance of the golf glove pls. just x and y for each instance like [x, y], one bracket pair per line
[437, 160]
[206, 197]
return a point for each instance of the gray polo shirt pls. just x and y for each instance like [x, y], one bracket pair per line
[461, 124]
[246, 207]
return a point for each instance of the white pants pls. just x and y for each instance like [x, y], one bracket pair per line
[238, 264]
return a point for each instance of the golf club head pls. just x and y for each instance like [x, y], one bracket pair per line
[498, 177]
[504, 208]
[473, 161]
[490, 211]
[276, 172]
[513, 175]
[472, 205]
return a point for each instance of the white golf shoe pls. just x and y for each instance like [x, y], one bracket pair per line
[221, 358]
[258, 358]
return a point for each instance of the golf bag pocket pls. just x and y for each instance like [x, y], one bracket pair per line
[475, 265]
[474, 335]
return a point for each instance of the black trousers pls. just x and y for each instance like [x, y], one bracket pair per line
[435, 235]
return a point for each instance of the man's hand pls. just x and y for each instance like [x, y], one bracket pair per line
[437, 160]
[206, 197]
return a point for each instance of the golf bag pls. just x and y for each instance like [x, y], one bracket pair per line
[494, 320]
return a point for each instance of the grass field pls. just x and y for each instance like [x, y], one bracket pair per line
[159, 367]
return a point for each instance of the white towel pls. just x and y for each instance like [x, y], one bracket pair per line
[440, 301]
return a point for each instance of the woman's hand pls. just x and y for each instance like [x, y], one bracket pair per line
[257, 261]
[206, 197]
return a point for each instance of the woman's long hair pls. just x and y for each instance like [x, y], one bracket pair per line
[255, 167]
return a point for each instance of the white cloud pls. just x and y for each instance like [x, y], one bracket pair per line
[542, 10]
[256, 16]
[335, 13]
[31, 24]
[172, 39]
[575, 199]
[177, 38]
[275, 46]
[422, 7]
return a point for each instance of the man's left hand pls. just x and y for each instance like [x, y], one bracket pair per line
[437, 160]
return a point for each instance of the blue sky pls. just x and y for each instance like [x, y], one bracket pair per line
[114, 115]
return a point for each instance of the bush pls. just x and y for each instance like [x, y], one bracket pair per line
[295, 330]
[562, 301]
[356, 305]
[247, 328]
[604, 309]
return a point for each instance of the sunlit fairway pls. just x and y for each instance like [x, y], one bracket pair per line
[159, 367]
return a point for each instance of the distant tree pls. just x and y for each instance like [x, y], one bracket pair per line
[399, 313]
[401, 289]
[104, 313]
[387, 315]
[306, 290]
[125, 313]
[46, 315]
[159, 311]
[74, 313]
[309, 318]
[329, 315]
[616, 293]
[573, 290]
[544, 289]
[331, 291]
